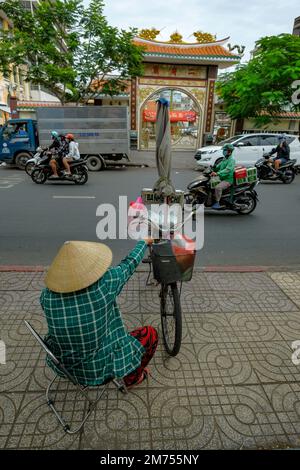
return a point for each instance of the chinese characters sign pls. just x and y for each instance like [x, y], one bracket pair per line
[175, 71]
[210, 105]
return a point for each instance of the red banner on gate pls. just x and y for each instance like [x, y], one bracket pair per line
[175, 116]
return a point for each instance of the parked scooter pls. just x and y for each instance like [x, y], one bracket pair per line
[238, 198]
[266, 171]
[34, 161]
[43, 172]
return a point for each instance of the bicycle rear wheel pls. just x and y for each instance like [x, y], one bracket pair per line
[171, 321]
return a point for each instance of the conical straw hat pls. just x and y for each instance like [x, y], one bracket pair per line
[78, 265]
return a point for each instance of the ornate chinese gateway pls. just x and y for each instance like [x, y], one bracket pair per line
[185, 74]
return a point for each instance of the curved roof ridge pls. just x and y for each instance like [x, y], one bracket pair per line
[199, 45]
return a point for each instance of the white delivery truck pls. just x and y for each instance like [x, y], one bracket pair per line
[101, 131]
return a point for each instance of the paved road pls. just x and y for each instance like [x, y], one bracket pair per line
[34, 220]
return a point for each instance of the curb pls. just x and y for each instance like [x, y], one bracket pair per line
[205, 269]
[22, 269]
[236, 269]
[128, 165]
[248, 269]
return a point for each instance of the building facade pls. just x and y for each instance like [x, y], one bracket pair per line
[11, 87]
[19, 98]
[185, 74]
[296, 29]
[285, 123]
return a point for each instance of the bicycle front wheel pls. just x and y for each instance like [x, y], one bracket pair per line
[171, 321]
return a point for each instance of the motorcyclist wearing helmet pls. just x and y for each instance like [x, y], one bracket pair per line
[283, 152]
[64, 145]
[225, 171]
[73, 153]
[55, 141]
[54, 147]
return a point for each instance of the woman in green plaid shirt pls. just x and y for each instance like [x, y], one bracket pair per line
[85, 327]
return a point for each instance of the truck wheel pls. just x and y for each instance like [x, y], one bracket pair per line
[94, 163]
[21, 160]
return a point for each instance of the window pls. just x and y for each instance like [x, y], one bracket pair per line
[21, 76]
[250, 141]
[268, 140]
[8, 130]
[27, 4]
[290, 139]
[20, 130]
[14, 71]
[36, 134]
[231, 140]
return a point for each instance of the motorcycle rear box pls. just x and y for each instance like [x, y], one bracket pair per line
[240, 173]
[251, 174]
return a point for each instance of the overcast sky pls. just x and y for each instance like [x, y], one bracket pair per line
[244, 21]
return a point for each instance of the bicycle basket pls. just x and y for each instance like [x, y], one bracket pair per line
[172, 261]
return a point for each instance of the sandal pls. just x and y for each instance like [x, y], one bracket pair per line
[143, 377]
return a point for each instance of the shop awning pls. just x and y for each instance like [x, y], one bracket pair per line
[5, 108]
[175, 116]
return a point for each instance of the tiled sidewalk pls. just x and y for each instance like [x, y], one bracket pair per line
[233, 384]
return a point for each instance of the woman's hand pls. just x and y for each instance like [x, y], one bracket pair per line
[148, 241]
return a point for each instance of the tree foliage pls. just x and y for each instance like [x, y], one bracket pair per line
[104, 51]
[67, 48]
[43, 42]
[264, 86]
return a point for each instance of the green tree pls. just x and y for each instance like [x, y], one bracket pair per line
[43, 42]
[264, 86]
[106, 56]
[69, 49]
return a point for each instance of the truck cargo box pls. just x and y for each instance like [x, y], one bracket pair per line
[99, 130]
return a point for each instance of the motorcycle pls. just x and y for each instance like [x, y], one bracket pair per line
[265, 170]
[43, 171]
[238, 198]
[32, 162]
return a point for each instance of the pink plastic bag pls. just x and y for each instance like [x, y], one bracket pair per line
[137, 211]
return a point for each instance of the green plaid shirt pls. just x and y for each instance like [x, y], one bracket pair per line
[85, 328]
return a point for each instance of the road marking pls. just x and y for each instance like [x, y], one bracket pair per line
[7, 182]
[74, 197]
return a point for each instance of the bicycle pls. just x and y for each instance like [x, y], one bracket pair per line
[171, 264]
[170, 309]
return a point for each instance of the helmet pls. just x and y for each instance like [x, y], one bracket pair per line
[227, 150]
[228, 147]
[281, 137]
[54, 134]
[70, 136]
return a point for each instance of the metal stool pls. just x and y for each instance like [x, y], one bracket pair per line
[119, 384]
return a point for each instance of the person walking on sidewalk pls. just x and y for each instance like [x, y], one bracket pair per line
[85, 327]
[225, 171]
